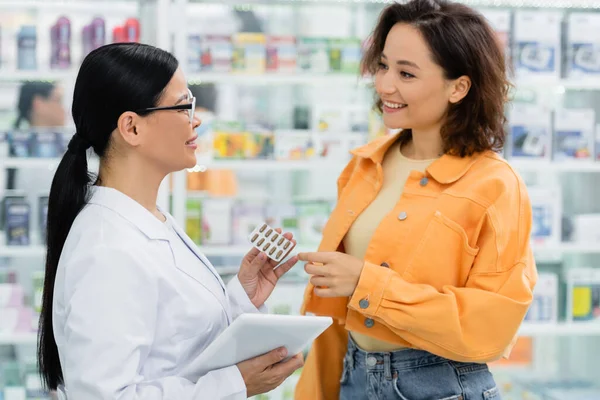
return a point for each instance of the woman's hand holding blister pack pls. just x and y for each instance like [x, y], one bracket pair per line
[259, 274]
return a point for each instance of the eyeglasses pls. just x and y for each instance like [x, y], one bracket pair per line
[191, 107]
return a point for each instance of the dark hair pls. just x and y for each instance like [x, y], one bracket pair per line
[112, 79]
[27, 93]
[462, 43]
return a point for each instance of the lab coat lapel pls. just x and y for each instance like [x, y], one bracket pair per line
[190, 269]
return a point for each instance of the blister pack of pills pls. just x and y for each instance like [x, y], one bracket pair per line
[272, 243]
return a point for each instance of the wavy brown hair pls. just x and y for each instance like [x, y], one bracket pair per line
[462, 43]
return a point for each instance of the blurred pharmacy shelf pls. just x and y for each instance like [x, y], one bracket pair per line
[17, 338]
[277, 79]
[51, 76]
[545, 251]
[118, 7]
[562, 329]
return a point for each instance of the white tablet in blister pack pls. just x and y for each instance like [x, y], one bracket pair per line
[272, 243]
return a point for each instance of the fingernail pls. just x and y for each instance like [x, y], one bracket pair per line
[283, 352]
[261, 256]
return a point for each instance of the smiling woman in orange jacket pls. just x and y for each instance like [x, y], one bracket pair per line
[425, 262]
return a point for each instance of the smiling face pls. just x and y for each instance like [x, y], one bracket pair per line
[165, 138]
[412, 87]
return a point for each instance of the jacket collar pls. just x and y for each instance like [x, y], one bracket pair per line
[130, 210]
[446, 169]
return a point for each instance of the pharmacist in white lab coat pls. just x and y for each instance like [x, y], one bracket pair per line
[129, 302]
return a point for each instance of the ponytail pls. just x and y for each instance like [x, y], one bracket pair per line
[68, 195]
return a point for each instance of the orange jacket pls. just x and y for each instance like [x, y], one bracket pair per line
[449, 270]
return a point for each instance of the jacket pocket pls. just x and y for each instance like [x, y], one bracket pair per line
[443, 256]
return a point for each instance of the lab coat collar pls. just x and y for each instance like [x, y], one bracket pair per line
[190, 270]
[130, 210]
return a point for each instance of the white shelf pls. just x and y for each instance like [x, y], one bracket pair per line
[277, 79]
[476, 3]
[537, 330]
[30, 163]
[274, 165]
[39, 163]
[561, 329]
[241, 250]
[349, 79]
[119, 7]
[18, 338]
[22, 251]
[555, 166]
[47, 75]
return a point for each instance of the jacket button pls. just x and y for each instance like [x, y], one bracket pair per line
[369, 323]
[402, 216]
[363, 304]
[385, 265]
[424, 181]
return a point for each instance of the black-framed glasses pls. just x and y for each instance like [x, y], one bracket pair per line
[191, 107]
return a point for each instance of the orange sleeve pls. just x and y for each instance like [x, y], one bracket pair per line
[475, 323]
[323, 366]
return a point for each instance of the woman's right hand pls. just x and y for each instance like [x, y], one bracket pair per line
[264, 373]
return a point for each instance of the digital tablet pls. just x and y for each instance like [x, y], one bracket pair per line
[252, 335]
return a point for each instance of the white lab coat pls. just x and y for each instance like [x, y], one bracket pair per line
[129, 317]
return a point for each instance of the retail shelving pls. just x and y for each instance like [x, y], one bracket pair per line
[22, 251]
[278, 79]
[17, 338]
[535, 330]
[560, 4]
[119, 7]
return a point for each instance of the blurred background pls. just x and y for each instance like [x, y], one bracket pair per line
[282, 103]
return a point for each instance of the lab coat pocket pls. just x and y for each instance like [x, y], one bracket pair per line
[443, 256]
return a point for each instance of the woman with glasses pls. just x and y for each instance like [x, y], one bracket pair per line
[129, 302]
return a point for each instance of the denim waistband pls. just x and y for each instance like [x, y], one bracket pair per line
[386, 361]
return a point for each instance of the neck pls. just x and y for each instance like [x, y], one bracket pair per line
[134, 179]
[426, 144]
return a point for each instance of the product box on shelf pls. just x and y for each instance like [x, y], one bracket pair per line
[546, 205]
[537, 44]
[583, 49]
[60, 48]
[583, 294]
[249, 53]
[233, 141]
[312, 217]
[345, 55]
[246, 217]
[574, 134]
[282, 54]
[27, 48]
[295, 146]
[530, 132]
[193, 219]
[46, 144]
[585, 228]
[93, 35]
[217, 221]
[21, 143]
[17, 214]
[544, 307]
[313, 55]
[217, 54]
[284, 216]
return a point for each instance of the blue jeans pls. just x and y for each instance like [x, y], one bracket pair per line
[412, 375]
